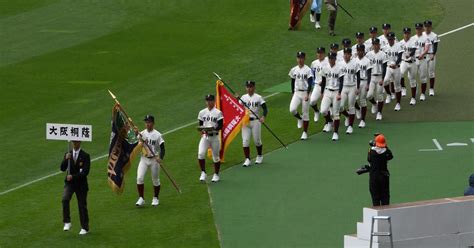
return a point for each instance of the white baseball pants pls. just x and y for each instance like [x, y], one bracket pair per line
[254, 129]
[207, 142]
[143, 166]
[330, 97]
[411, 69]
[348, 96]
[296, 101]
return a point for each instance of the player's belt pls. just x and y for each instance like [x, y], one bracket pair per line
[212, 134]
[253, 119]
[302, 90]
[408, 61]
[330, 89]
[424, 57]
[150, 157]
[376, 75]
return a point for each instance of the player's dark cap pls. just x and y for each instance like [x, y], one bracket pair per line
[334, 46]
[321, 50]
[249, 83]
[346, 42]
[359, 35]
[360, 47]
[428, 23]
[348, 50]
[149, 118]
[375, 41]
[406, 30]
[300, 54]
[386, 26]
[391, 36]
[373, 29]
[332, 55]
[418, 25]
[210, 97]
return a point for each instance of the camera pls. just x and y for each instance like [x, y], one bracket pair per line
[362, 170]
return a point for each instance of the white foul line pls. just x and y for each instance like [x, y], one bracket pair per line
[455, 30]
[438, 147]
[105, 155]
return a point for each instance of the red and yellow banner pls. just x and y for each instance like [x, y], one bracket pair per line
[297, 10]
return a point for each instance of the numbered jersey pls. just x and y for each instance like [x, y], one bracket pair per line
[376, 61]
[301, 76]
[253, 103]
[364, 65]
[317, 67]
[420, 43]
[433, 38]
[392, 52]
[210, 118]
[406, 47]
[154, 139]
[332, 75]
[350, 70]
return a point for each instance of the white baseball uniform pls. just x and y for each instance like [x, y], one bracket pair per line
[384, 40]
[354, 50]
[431, 56]
[332, 75]
[301, 75]
[316, 67]
[210, 118]
[393, 74]
[348, 94]
[254, 128]
[154, 139]
[340, 56]
[368, 45]
[376, 64]
[421, 42]
[364, 65]
[408, 62]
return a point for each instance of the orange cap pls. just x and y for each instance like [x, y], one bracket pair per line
[380, 141]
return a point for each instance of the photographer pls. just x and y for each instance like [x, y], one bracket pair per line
[379, 183]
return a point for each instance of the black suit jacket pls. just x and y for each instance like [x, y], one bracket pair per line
[79, 170]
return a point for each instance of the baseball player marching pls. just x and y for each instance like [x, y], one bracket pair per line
[378, 65]
[211, 122]
[149, 159]
[350, 89]
[423, 45]
[301, 82]
[394, 56]
[363, 64]
[331, 88]
[373, 35]
[408, 63]
[254, 102]
[431, 53]
[317, 66]
[359, 41]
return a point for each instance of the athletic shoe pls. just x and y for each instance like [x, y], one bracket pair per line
[422, 97]
[398, 107]
[215, 178]
[140, 202]
[300, 123]
[431, 92]
[326, 128]
[379, 116]
[349, 130]
[358, 114]
[412, 101]
[83, 232]
[67, 226]
[304, 136]
[203, 176]
[374, 109]
[317, 26]
[393, 96]
[312, 18]
[246, 163]
[346, 122]
[362, 124]
[404, 91]
[316, 116]
[335, 136]
[259, 160]
[329, 127]
[155, 202]
[388, 99]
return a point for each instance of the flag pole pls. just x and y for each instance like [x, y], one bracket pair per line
[146, 144]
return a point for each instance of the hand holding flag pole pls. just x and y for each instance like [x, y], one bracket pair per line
[146, 144]
[238, 97]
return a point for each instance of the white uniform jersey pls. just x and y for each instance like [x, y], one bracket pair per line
[350, 70]
[384, 40]
[332, 75]
[154, 139]
[406, 46]
[433, 39]
[317, 67]
[392, 52]
[210, 118]
[364, 65]
[376, 61]
[340, 56]
[301, 76]
[254, 103]
[420, 43]
[368, 45]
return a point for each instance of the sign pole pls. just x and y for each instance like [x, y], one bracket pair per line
[69, 160]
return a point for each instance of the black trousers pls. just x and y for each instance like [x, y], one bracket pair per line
[81, 195]
[379, 187]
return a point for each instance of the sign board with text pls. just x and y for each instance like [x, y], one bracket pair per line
[69, 132]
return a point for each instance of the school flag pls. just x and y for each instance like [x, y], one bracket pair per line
[297, 10]
[235, 115]
[123, 147]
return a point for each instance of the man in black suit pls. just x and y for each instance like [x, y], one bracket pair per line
[77, 164]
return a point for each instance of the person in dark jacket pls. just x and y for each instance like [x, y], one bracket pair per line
[379, 183]
[77, 164]
[470, 189]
